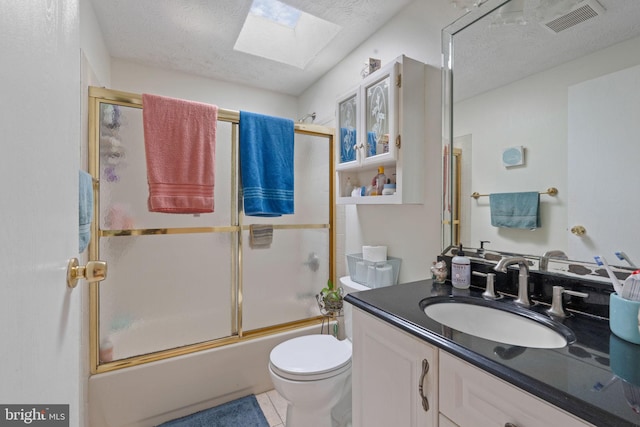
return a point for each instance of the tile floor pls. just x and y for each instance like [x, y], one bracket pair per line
[274, 408]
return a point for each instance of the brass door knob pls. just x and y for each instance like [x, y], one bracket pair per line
[94, 271]
[578, 230]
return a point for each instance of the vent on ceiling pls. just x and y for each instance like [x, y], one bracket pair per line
[581, 12]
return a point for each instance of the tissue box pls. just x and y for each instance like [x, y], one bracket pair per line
[373, 274]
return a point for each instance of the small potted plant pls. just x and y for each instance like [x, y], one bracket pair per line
[330, 298]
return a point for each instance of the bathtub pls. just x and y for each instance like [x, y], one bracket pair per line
[150, 394]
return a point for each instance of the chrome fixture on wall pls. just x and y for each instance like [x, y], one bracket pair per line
[306, 116]
[313, 262]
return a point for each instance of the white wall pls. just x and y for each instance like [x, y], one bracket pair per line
[132, 77]
[532, 112]
[93, 45]
[411, 232]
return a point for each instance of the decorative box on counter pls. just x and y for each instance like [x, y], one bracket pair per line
[374, 274]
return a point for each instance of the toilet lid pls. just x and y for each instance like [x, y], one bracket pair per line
[310, 355]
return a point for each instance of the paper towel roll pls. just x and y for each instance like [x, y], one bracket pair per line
[374, 253]
[384, 275]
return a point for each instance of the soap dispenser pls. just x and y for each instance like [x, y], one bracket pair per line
[460, 270]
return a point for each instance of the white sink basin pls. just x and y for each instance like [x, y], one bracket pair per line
[497, 321]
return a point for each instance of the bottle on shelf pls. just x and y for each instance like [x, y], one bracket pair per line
[348, 188]
[389, 189]
[380, 180]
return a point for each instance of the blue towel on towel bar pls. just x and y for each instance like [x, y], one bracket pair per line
[266, 164]
[85, 210]
[515, 210]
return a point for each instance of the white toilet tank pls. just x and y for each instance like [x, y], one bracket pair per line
[349, 286]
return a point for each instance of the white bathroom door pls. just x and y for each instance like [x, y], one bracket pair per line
[40, 336]
[603, 154]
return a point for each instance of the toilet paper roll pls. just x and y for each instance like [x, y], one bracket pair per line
[384, 275]
[371, 276]
[374, 253]
[361, 272]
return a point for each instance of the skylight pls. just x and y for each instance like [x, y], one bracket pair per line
[282, 33]
[276, 11]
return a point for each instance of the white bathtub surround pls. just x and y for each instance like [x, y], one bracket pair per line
[180, 386]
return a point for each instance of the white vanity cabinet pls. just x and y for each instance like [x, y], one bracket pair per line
[470, 397]
[389, 381]
[382, 123]
[391, 372]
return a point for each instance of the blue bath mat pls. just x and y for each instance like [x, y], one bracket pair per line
[243, 412]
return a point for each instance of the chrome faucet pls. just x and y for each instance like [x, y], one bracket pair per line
[544, 259]
[523, 277]
[557, 308]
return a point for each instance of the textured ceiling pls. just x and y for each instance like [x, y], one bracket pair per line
[197, 37]
[486, 57]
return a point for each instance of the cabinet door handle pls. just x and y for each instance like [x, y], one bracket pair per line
[425, 370]
[510, 425]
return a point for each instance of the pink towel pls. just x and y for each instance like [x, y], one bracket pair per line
[179, 139]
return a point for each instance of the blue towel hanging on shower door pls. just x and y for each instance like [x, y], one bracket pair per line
[266, 164]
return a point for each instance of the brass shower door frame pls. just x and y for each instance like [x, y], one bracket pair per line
[101, 95]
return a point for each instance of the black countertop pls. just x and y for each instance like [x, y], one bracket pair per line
[596, 378]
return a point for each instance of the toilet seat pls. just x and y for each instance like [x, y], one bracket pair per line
[310, 358]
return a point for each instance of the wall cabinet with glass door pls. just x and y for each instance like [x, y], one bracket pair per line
[381, 123]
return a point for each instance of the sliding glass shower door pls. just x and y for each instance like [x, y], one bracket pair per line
[180, 283]
[279, 282]
[170, 276]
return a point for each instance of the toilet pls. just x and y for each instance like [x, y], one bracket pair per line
[313, 374]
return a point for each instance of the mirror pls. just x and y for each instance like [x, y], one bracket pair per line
[543, 94]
